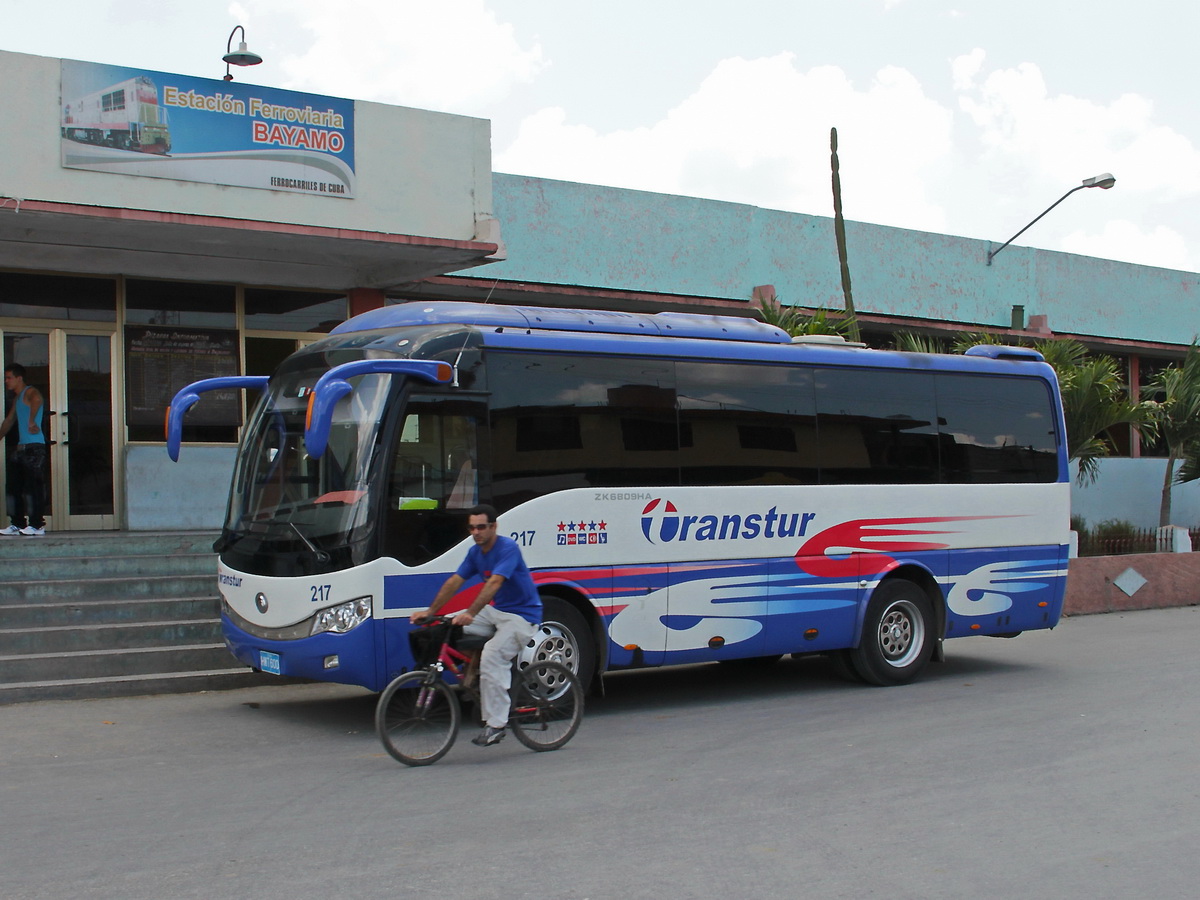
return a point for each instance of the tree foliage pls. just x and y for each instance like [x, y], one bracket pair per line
[795, 321]
[1095, 400]
[1175, 412]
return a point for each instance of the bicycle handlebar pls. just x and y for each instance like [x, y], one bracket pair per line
[430, 621]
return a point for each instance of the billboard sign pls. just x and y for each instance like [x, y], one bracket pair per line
[139, 122]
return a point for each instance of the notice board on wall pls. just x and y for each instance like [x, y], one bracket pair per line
[161, 359]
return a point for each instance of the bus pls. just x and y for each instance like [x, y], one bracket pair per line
[685, 488]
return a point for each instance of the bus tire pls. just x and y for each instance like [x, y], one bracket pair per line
[563, 637]
[897, 636]
[843, 667]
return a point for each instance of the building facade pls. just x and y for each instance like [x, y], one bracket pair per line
[156, 228]
[159, 228]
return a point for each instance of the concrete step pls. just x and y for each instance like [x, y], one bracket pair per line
[136, 685]
[107, 543]
[110, 612]
[60, 568]
[113, 663]
[72, 638]
[82, 590]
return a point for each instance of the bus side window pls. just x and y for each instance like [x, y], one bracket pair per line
[563, 421]
[435, 463]
[432, 480]
[996, 430]
[746, 424]
[877, 426]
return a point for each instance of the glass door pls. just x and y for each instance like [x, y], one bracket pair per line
[84, 431]
[74, 373]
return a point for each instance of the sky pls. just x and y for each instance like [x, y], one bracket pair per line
[965, 118]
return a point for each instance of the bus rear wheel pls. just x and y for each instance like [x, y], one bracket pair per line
[563, 637]
[897, 637]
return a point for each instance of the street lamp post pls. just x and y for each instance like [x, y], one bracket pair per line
[1104, 182]
[241, 56]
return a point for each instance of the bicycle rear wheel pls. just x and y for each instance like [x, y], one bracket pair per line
[547, 705]
[417, 718]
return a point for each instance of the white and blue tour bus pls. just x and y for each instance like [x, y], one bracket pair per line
[684, 488]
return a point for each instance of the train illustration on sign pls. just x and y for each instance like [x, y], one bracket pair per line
[126, 115]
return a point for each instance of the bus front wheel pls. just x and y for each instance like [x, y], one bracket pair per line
[897, 637]
[563, 637]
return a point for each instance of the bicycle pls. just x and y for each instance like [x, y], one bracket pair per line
[419, 713]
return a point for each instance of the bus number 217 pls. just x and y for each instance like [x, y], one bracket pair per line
[524, 538]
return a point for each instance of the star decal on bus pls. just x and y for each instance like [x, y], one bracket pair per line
[583, 526]
[582, 534]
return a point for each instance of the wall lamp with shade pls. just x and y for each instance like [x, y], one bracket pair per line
[1104, 182]
[242, 56]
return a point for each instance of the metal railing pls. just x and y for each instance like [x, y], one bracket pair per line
[1125, 541]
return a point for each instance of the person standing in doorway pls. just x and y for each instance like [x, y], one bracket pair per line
[27, 464]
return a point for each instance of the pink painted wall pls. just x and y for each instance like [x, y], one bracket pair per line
[1172, 579]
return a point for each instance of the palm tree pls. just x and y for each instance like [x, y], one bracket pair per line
[795, 321]
[1175, 410]
[1095, 400]
[912, 342]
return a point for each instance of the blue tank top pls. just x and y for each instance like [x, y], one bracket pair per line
[23, 435]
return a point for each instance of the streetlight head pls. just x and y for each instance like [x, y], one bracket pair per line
[1103, 181]
[242, 57]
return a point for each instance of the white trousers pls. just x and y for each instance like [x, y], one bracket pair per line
[509, 634]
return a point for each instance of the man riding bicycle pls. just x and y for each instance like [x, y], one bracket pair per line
[507, 608]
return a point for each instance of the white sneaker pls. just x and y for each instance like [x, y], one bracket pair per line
[33, 532]
[11, 529]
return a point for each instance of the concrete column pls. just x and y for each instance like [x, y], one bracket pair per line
[364, 299]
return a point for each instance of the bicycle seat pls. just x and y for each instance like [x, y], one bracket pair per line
[471, 641]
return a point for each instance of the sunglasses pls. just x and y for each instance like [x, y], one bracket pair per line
[481, 527]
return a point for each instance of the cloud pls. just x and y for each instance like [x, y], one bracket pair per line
[965, 68]
[1028, 145]
[757, 131]
[452, 55]
[1026, 130]
[1126, 241]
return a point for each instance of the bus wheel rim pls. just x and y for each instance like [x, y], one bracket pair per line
[900, 633]
[552, 643]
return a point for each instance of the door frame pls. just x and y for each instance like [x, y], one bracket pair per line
[55, 425]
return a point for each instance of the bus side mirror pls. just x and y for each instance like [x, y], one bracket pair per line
[187, 397]
[333, 386]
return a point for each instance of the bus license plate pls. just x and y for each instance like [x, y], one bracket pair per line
[268, 662]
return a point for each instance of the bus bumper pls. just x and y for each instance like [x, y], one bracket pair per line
[344, 658]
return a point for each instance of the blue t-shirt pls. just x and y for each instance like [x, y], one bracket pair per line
[518, 594]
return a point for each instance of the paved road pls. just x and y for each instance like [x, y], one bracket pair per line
[1056, 765]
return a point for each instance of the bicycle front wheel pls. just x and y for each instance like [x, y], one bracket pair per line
[417, 718]
[547, 705]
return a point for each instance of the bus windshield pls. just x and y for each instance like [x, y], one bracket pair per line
[284, 501]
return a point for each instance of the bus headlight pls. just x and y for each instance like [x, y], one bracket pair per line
[343, 617]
